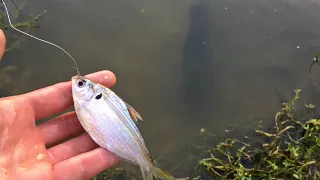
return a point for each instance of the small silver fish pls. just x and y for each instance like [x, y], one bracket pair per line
[111, 124]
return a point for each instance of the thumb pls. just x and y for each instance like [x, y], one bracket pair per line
[2, 43]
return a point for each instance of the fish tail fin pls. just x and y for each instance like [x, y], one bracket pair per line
[159, 172]
[155, 171]
[146, 174]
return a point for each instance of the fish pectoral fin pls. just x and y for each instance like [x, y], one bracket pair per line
[134, 114]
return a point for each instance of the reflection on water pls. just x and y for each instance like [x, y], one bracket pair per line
[197, 63]
[182, 64]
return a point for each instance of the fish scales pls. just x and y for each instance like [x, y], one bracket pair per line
[124, 115]
[120, 141]
[120, 109]
[105, 129]
[124, 111]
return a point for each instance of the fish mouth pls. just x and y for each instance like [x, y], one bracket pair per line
[76, 77]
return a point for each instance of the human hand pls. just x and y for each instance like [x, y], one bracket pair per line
[23, 152]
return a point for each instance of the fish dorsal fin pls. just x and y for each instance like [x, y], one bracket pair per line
[134, 114]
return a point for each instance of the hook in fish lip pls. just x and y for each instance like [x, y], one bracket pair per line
[76, 77]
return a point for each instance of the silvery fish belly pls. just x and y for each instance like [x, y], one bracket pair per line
[110, 122]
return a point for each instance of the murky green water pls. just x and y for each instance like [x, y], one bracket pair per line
[182, 64]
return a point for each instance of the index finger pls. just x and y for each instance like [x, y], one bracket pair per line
[53, 99]
[2, 43]
[85, 166]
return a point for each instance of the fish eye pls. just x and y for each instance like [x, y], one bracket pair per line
[81, 82]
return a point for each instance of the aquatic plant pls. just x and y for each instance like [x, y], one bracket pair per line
[28, 26]
[290, 150]
[15, 39]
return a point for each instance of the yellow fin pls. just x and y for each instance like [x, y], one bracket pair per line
[134, 114]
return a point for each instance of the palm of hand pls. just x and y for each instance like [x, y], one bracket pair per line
[22, 145]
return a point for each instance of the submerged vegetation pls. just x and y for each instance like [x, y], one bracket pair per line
[14, 40]
[289, 150]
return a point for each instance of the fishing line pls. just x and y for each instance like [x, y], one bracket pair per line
[76, 68]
